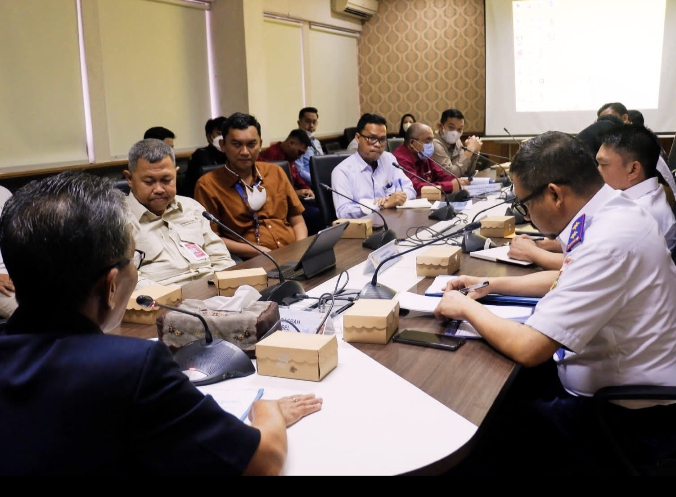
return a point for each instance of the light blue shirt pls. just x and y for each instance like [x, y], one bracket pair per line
[357, 179]
[303, 164]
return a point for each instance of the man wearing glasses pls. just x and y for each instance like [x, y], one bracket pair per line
[178, 243]
[368, 176]
[606, 318]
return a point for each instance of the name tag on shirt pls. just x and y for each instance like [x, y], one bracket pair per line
[194, 251]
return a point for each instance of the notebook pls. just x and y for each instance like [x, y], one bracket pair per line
[498, 254]
[318, 257]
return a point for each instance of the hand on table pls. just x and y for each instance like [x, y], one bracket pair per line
[6, 285]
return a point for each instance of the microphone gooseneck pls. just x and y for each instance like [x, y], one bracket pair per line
[442, 213]
[489, 208]
[276, 293]
[377, 240]
[147, 301]
[512, 137]
[503, 172]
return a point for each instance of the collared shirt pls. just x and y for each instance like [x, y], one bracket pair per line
[359, 181]
[216, 191]
[303, 164]
[452, 158]
[613, 304]
[275, 152]
[650, 195]
[180, 245]
[424, 168]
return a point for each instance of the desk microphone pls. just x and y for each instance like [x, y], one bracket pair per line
[280, 292]
[442, 213]
[489, 208]
[374, 290]
[504, 177]
[512, 137]
[217, 360]
[376, 240]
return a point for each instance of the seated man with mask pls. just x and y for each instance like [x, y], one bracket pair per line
[79, 400]
[177, 240]
[415, 154]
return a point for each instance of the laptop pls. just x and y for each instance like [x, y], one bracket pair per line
[318, 257]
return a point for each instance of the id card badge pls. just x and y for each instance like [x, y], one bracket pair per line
[194, 252]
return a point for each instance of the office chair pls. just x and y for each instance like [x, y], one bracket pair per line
[202, 170]
[121, 184]
[332, 147]
[348, 135]
[672, 157]
[284, 164]
[393, 143]
[321, 167]
[626, 463]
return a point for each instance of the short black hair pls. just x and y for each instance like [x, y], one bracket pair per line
[370, 119]
[214, 124]
[159, 133]
[635, 142]
[556, 157]
[451, 113]
[67, 228]
[307, 110]
[635, 116]
[617, 107]
[239, 120]
[301, 136]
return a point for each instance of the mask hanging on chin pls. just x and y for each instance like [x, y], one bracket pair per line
[216, 143]
[427, 151]
[451, 136]
[256, 196]
[405, 126]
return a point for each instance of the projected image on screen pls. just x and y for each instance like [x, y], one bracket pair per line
[550, 64]
[546, 32]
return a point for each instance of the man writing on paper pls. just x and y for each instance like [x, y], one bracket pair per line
[178, 243]
[78, 400]
[368, 176]
[415, 155]
[627, 161]
[607, 317]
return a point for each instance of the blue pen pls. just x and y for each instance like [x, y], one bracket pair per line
[400, 185]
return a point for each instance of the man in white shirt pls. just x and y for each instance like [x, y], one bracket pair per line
[368, 176]
[606, 318]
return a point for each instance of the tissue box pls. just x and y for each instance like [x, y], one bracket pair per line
[430, 193]
[163, 294]
[227, 282]
[498, 226]
[438, 260]
[358, 228]
[371, 321]
[299, 356]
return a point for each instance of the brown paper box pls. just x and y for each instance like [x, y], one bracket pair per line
[299, 356]
[358, 228]
[228, 282]
[498, 226]
[438, 260]
[371, 321]
[163, 294]
[430, 193]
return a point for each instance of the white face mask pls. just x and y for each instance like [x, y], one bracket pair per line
[256, 197]
[406, 126]
[310, 134]
[216, 142]
[451, 136]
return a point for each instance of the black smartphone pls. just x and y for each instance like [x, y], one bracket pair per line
[425, 339]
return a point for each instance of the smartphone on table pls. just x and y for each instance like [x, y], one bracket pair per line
[425, 339]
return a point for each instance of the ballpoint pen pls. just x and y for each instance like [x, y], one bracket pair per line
[468, 289]
[401, 187]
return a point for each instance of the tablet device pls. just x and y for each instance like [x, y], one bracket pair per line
[425, 339]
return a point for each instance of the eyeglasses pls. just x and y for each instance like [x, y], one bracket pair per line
[520, 205]
[138, 258]
[372, 140]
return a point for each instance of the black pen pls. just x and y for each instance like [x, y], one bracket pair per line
[468, 289]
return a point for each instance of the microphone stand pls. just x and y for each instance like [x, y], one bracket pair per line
[504, 176]
[374, 290]
[442, 213]
[377, 240]
[217, 360]
[276, 293]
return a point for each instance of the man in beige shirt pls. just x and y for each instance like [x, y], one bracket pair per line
[178, 242]
[448, 147]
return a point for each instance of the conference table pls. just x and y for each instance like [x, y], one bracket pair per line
[394, 408]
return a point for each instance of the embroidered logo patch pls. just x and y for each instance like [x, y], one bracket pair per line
[576, 233]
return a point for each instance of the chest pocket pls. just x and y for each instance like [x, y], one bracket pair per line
[189, 231]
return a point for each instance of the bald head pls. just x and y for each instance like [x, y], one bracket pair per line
[418, 131]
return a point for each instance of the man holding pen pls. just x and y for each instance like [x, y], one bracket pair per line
[606, 318]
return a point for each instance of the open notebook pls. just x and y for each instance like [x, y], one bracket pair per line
[498, 254]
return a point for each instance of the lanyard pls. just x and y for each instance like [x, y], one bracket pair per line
[245, 199]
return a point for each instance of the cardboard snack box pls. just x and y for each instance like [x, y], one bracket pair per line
[498, 226]
[163, 294]
[227, 282]
[432, 194]
[299, 356]
[437, 261]
[358, 228]
[371, 321]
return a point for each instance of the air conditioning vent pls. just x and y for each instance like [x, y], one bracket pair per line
[363, 9]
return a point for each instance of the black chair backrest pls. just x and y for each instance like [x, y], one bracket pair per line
[207, 168]
[393, 143]
[672, 156]
[121, 184]
[321, 167]
[332, 147]
[284, 164]
[348, 135]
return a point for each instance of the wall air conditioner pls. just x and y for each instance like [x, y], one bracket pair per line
[363, 9]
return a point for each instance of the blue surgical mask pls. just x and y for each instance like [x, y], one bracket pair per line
[427, 151]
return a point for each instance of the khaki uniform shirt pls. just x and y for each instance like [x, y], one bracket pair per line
[452, 157]
[180, 245]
